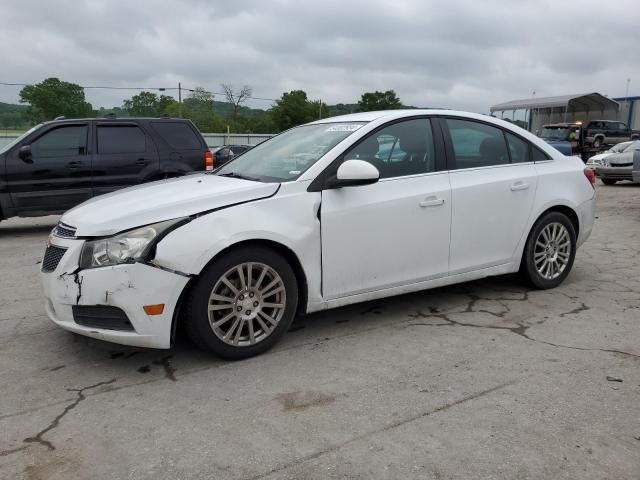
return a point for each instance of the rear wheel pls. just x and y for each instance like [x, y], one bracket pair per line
[550, 251]
[597, 142]
[242, 303]
[608, 181]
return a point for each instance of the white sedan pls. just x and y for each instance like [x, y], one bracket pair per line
[338, 211]
[598, 160]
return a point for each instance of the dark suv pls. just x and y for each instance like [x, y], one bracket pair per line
[59, 164]
[608, 132]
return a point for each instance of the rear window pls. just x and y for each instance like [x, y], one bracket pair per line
[178, 135]
[121, 139]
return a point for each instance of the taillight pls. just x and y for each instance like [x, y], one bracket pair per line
[590, 176]
[208, 160]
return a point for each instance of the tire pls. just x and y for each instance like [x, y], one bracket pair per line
[552, 242]
[211, 315]
[597, 142]
[608, 181]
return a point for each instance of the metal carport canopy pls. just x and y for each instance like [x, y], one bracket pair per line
[578, 102]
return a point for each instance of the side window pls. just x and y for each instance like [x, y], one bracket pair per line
[61, 142]
[477, 144]
[403, 148]
[538, 155]
[121, 139]
[518, 148]
[178, 135]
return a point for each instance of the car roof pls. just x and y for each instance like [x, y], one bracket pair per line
[115, 119]
[375, 115]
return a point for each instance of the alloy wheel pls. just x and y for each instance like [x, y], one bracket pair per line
[246, 304]
[552, 250]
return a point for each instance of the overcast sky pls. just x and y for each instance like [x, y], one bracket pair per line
[454, 54]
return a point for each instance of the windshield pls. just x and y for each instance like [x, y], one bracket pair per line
[10, 145]
[632, 147]
[287, 156]
[554, 133]
[621, 147]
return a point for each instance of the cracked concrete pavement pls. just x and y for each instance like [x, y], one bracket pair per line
[486, 379]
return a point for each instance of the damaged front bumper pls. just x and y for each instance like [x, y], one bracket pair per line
[128, 287]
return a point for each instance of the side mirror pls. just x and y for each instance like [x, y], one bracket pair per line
[25, 154]
[353, 173]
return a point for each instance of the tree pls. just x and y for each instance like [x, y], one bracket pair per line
[379, 101]
[52, 98]
[147, 104]
[236, 98]
[293, 108]
[199, 108]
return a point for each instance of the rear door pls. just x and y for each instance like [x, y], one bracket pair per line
[60, 175]
[125, 155]
[493, 185]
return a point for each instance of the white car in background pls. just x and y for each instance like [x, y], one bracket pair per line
[338, 211]
[596, 160]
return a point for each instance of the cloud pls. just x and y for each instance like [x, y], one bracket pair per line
[462, 54]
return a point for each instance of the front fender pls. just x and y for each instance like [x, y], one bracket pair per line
[287, 219]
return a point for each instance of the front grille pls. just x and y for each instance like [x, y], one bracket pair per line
[52, 257]
[625, 164]
[101, 316]
[64, 231]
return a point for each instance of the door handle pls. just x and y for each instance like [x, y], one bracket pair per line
[519, 185]
[432, 202]
[142, 161]
[74, 164]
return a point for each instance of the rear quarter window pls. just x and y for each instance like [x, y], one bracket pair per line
[178, 135]
[538, 155]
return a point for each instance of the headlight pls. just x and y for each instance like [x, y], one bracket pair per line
[125, 247]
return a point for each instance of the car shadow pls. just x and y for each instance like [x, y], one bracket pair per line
[132, 365]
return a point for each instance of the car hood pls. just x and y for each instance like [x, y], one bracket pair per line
[162, 200]
[600, 156]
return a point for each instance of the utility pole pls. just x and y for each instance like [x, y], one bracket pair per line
[179, 100]
[320, 110]
[626, 99]
[626, 94]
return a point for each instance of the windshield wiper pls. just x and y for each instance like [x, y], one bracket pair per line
[238, 175]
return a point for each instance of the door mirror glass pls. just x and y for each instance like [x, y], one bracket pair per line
[354, 172]
[25, 154]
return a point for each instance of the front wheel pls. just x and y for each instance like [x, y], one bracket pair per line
[242, 303]
[550, 251]
[597, 142]
[608, 181]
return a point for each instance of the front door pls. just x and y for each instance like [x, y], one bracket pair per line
[393, 232]
[59, 176]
